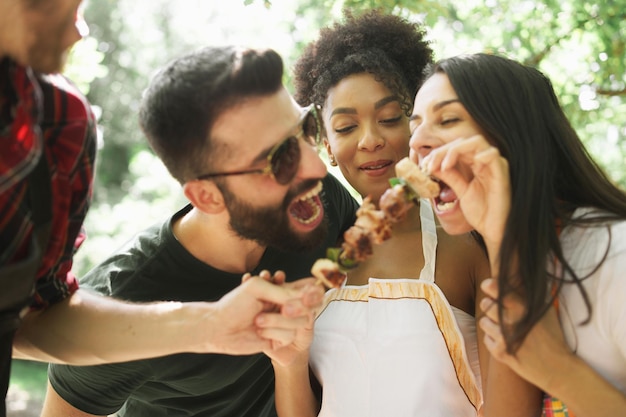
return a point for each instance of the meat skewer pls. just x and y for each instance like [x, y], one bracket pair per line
[373, 226]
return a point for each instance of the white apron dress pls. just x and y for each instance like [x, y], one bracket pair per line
[394, 347]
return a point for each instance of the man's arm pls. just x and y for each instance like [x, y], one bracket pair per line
[89, 329]
[69, 133]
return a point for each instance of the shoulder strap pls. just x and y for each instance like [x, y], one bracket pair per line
[429, 240]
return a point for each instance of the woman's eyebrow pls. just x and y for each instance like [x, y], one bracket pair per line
[350, 110]
[343, 110]
[436, 107]
[444, 103]
[380, 103]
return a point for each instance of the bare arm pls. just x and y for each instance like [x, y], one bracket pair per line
[293, 392]
[582, 389]
[505, 393]
[55, 406]
[89, 329]
[294, 395]
[567, 377]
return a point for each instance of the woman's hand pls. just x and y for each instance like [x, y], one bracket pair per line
[479, 176]
[537, 352]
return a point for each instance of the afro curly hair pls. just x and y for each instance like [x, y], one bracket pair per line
[387, 46]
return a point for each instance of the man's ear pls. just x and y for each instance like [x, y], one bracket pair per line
[204, 195]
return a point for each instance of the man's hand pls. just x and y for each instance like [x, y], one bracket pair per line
[286, 308]
[300, 313]
[295, 318]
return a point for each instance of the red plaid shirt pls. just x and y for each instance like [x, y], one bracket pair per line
[44, 114]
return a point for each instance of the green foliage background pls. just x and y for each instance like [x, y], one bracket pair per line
[579, 44]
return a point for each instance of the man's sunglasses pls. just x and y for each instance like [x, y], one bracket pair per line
[284, 158]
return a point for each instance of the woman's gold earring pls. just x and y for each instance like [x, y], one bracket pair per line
[332, 160]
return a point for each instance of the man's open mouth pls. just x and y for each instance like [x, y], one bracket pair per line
[308, 208]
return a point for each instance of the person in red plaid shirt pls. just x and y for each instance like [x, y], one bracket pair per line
[47, 151]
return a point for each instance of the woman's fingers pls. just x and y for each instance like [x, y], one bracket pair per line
[490, 287]
[462, 150]
[280, 321]
[280, 329]
[490, 308]
[494, 341]
[278, 337]
[513, 307]
[306, 297]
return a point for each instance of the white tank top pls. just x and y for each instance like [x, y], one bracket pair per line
[394, 347]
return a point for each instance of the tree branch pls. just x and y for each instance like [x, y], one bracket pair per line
[534, 60]
[611, 93]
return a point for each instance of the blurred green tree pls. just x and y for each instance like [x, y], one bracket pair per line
[579, 44]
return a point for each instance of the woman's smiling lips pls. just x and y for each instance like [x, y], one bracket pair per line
[376, 168]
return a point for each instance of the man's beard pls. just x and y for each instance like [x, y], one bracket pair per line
[269, 226]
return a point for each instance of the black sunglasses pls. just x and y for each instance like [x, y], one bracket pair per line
[284, 158]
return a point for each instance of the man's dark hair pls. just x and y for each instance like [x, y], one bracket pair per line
[186, 97]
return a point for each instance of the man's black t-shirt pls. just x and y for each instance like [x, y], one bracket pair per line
[155, 266]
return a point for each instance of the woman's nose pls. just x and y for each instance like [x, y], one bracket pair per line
[419, 142]
[371, 139]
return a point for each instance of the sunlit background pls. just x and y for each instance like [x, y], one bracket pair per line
[579, 44]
